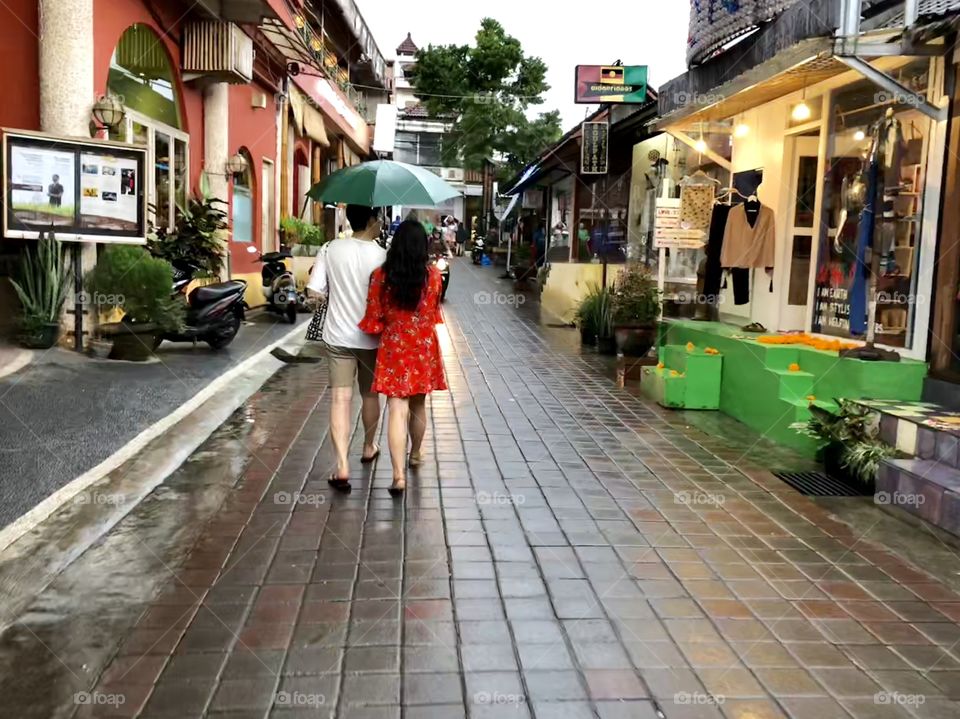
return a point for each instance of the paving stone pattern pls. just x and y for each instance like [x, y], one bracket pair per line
[567, 550]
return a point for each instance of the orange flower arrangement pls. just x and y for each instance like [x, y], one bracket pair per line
[712, 351]
[811, 398]
[674, 373]
[660, 365]
[794, 367]
[691, 347]
[817, 343]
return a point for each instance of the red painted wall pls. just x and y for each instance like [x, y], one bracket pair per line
[110, 19]
[20, 57]
[255, 130]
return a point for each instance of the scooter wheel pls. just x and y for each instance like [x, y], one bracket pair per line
[292, 314]
[222, 339]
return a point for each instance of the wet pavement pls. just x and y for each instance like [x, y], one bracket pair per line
[567, 550]
[63, 413]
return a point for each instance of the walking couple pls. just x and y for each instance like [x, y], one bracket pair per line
[380, 332]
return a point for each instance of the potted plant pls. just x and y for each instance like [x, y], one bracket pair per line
[587, 317]
[196, 238]
[851, 447]
[606, 340]
[128, 278]
[305, 237]
[41, 285]
[636, 308]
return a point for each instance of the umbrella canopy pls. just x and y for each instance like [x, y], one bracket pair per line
[381, 183]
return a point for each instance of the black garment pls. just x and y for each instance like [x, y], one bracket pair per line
[741, 285]
[714, 272]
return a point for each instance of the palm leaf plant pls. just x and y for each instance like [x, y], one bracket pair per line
[196, 237]
[851, 439]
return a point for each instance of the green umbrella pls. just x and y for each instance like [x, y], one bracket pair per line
[381, 183]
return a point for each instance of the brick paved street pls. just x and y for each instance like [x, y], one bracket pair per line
[566, 551]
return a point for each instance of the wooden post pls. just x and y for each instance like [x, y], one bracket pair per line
[947, 283]
[284, 158]
[575, 221]
[316, 173]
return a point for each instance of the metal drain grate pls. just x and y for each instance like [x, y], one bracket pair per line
[818, 484]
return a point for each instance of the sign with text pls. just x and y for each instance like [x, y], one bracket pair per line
[82, 190]
[594, 148]
[667, 231]
[619, 84]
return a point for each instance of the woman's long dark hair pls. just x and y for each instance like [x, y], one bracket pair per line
[406, 265]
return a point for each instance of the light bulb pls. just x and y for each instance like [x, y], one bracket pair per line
[701, 146]
[801, 112]
[741, 130]
[859, 136]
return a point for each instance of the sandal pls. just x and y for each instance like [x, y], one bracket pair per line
[754, 327]
[372, 458]
[341, 485]
[397, 488]
[415, 459]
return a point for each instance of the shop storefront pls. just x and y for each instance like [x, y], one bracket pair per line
[798, 157]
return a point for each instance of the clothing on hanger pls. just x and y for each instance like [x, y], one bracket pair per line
[749, 245]
[714, 268]
[696, 206]
[741, 285]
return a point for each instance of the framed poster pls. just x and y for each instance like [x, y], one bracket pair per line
[85, 191]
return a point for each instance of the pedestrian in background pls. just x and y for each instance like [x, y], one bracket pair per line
[403, 307]
[342, 274]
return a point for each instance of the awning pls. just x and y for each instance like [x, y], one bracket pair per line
[308, 121]
[527, 178]
[803, 65]
[313, 126]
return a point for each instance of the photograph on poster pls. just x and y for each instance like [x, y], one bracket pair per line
[90, 170]
[41, 184]
[114, 205]
[128, 182]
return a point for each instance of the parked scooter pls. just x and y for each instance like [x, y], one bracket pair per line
[279, 284]
[442, 264]
[477, 253]
[214, 312]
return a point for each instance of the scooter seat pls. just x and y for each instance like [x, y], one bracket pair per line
[214, 293]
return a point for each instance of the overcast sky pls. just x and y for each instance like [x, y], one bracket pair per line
[638, 32]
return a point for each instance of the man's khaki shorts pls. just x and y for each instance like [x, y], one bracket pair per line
[348, 364]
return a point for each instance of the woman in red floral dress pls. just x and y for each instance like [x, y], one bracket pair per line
[403, 307]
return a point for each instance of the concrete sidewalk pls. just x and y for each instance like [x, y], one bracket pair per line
[566, 550]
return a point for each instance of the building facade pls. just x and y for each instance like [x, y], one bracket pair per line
[283, 97]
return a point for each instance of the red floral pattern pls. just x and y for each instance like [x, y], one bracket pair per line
[409, 361]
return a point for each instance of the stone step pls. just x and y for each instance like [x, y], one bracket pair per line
[919, 429]
[924, 487]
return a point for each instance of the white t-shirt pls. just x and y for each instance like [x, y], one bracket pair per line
[342, 273]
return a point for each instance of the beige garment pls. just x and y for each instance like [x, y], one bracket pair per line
[696, 206]
[746, 246]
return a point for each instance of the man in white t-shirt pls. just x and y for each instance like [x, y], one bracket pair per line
[342, 273]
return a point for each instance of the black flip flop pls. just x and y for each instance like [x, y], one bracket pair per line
[397, 491]
[341, 485]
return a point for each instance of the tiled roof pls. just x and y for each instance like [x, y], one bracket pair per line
[416, 111]
[407, 47]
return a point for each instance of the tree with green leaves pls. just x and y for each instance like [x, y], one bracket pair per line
[485, 91]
